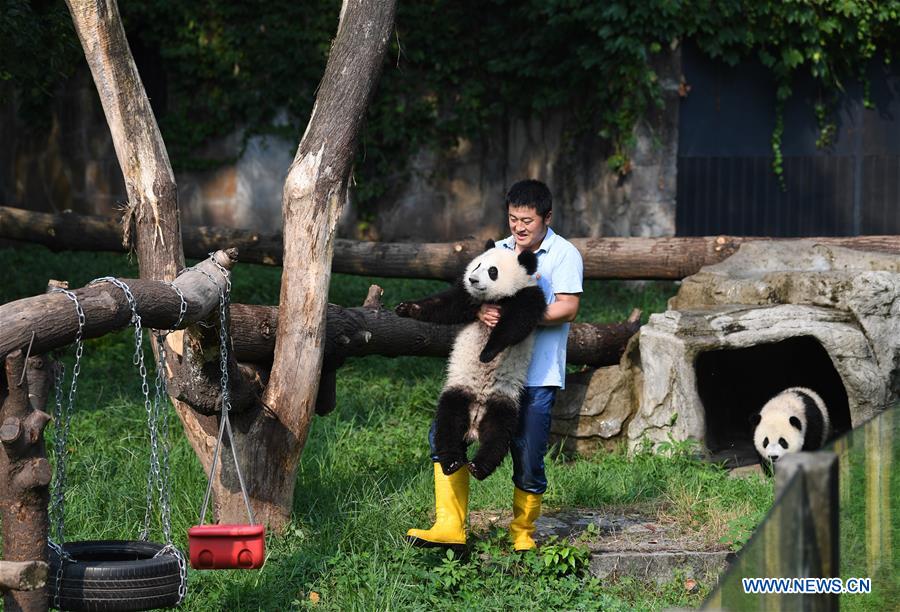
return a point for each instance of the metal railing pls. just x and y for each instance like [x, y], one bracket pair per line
[830, 534]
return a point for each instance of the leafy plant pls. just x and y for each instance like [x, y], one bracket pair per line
[739, 531]
[558, 558]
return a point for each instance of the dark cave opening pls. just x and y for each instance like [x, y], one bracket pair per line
[733, 384]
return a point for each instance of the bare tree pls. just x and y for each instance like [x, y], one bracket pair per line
[314, 195]
[270, 433]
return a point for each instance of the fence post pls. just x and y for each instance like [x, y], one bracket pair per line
[821, 475]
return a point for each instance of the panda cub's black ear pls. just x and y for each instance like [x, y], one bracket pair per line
[490, 244]
[796, 423]
[755, 419]
[528, 260]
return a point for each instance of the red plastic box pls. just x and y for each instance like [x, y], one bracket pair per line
[227, 546]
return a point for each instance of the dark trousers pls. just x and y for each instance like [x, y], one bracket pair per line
[529, 445]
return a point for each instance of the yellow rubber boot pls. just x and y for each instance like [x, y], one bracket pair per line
[526, 510]
[451, 505]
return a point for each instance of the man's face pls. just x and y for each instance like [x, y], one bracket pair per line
[527, 226]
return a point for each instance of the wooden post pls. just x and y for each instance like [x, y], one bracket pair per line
[24, 484]
[821, 471]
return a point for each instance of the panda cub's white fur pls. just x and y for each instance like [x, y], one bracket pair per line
[488, 366]
[505, 374]
[794, 420]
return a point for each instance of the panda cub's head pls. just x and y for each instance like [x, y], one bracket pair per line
[499, 273]
[795, 419]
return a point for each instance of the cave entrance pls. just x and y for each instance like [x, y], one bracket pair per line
[733, 384]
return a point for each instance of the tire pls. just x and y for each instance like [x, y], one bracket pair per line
[115, 575]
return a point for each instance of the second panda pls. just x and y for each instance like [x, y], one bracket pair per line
[794, 420]
[487, 367]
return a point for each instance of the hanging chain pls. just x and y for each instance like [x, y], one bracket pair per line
[224, 423]
[62, 418]
[160, 423]
[157, 412]
[157, 419]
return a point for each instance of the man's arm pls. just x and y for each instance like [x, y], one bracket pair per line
[563, 310]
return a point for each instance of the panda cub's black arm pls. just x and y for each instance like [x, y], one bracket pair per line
[519, 316]
[447, 307]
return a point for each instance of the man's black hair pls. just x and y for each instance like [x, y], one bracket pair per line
[531, 193]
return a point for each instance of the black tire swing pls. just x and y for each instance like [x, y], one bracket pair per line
[117, 575]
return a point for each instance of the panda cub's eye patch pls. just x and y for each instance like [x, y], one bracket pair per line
[782, 443]
[765, 442]
[492, 272]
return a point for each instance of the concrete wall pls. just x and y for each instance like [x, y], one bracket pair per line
[446, 195]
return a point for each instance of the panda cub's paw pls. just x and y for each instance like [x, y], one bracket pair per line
[478, 472]
[488, 356]
[450, 466]
[408, 309]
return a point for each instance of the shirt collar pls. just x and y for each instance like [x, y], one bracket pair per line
[546, 244]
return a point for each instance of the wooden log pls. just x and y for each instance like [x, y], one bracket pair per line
[350, 332]
[361, 331]
[667, 258]
[22, 575]
[53, 319]
[24, 484]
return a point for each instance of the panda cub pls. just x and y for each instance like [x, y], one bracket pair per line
[487, 367]
[794, 420]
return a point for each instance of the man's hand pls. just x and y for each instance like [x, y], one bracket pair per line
[489, 314]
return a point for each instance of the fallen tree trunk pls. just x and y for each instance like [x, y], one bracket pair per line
[22, 575]
[350, 332]
[361, 331]
[668, 258]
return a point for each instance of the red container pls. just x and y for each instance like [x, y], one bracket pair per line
[227, 546]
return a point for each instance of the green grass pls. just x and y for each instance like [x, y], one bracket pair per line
[365, 475]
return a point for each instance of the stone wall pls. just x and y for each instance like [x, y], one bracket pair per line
[769, 317]
[445, 195]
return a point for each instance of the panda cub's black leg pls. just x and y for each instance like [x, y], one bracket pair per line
[495, 432]
[451, 422]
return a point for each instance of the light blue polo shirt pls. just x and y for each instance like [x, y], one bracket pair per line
[561, 271]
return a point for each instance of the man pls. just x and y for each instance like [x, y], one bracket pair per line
[559, 274]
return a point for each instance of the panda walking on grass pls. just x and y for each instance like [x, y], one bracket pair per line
[505, 368]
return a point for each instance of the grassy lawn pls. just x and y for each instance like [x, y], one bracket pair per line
[365, 476]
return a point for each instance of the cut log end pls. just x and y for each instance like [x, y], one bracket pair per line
[635, 316]
[226, 258]
[22, 575]
[373, 298]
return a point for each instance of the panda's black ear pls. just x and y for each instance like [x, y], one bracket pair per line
[528, 260]
[796, 423]
[755, 419]
[490, 244]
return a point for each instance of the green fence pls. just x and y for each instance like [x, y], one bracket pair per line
[836, 516]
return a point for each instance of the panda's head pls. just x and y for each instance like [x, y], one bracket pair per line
[499, 273]
[779, 428]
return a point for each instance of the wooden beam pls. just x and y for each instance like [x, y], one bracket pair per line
[666, 258]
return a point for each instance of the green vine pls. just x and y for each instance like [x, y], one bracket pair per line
[455, 67]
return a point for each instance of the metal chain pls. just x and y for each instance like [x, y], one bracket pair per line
[62, 414]
[138, 360]
[157, 413]
[158, 422]
[171, 549]
[225, 423]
